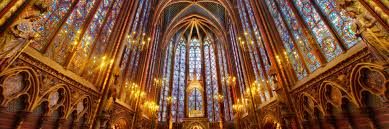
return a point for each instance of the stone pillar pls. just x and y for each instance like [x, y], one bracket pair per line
[104, 120]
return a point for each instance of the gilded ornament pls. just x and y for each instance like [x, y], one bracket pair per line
[335, 96]
[20, 33]
[10, 11]
[367, 27]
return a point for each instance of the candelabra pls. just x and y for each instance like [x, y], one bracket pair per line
[169, 101]
[137, 42]
[229, 80]
[220, 99]
[151, 107]
[239, 108]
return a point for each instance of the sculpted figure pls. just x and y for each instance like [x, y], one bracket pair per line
[367, 27]
[19, 33]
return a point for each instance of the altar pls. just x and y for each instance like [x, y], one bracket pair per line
[195, 123]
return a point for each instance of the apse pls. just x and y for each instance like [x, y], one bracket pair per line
[194, 66]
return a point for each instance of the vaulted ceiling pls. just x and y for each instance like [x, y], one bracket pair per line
[210, 16]
[211, 10]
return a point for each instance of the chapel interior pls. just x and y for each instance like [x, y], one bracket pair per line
[194, 64]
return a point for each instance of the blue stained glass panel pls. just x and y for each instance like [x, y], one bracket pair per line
[320, 31]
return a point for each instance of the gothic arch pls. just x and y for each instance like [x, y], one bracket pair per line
[269, 119]
[308, 105]
[82, 107]
[371, 78]
[333, 93]
[185, 22]
[190, 125]
[24, 81]
[50, 95]
[163, 5]
[121, 123]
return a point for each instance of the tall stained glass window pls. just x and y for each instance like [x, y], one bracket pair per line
[48, 22]
[101, 42]
[165, 85]
[194, 59]
[195, 100]
[87, 41]
[68, 30]
[319, 16]
[201, 67]
[289, 44]
[226, 87]
[300, 39]
[339, 20]
[67, 38]
[323, 36]
[213, 106]
[179, 85]
[255, 47]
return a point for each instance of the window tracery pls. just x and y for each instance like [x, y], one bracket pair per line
[201, 58]
[314, 14]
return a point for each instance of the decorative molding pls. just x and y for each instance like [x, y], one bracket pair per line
[354, 55]
[36, 59]
[10, 11]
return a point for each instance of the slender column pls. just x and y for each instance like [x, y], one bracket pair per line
[108, 76]
[87, 22]
[329, 25]
[273, 40]
[99, 34]
[268, 36]
[219, 84]
[66, 17]
[384, 4]
[203, 78]
[10, 7]
[256, 48]
[294, 43]
[170, 121]
[319, 55]
[278, 69]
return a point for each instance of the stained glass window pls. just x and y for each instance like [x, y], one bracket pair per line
[137, 15]
[179, 85]
[166, 80]
[300, 39]
[194, 60]
[211, 81]
[87, 41]
[101, 41]
[340, 21]
[201, 58]
[314, 14]
[48, 22]
[226, 87]
[67, 38]
[236, 51]
[257, 53]
[323, 36]
[290, 47]
[195, 100]
[76, 25]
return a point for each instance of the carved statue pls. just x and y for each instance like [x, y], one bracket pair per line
[19, 33]
[110, 100]
[367, 27]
